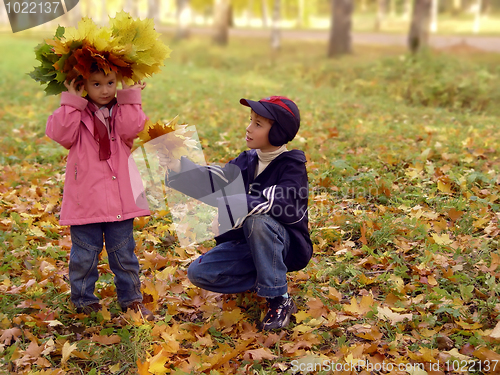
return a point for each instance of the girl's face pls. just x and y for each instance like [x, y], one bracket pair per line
[101, 88]
[257, 135]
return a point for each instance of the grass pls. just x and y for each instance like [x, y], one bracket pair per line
[403, 167]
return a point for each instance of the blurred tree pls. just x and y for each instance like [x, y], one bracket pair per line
[407, 9]
[275, 32]
[340, 27]
[381, 14]
[104, 12]
[418, 37]
[434, 15]
[392, 7]
[265, 11]
[457, 7]
[249, 12]
[222, 20]
[301, 20]
[4, 19]
[154, 10]
[477, 16]
[183, 16]
[132, 7]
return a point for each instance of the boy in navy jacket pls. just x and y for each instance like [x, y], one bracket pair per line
[270, 236]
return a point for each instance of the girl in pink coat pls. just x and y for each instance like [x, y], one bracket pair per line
[98, 201]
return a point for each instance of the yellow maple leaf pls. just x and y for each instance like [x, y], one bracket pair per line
[229, 318]
[143, 367]
[67, 349]
[385, 313]
[471, 326]
[157, 363]
[442, 239]
[366, 304]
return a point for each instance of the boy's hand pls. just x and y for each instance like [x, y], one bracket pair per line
[73, 88]
[136, 86]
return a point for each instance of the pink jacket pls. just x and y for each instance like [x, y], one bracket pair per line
[98, 191]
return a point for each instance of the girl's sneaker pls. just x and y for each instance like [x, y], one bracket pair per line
[279, 313]
[89, 309]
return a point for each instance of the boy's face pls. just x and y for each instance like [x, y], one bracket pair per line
[101, 88]
[257, 135]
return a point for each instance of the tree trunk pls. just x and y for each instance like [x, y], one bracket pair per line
[301, 14]
[249, 13]
[407, 10]
[222, 19]
[104, 13]
[132, 7]
[381, 14]
[477, 17]
[275, 32]
[457, 7]
[183, 17]
[418, 37]
[392, 8]
[340, 28]
[4, 18]
[264, 13]
[434, 15]
[154, 10]
[74, 8]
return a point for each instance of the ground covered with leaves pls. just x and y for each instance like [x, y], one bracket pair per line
[403, 160]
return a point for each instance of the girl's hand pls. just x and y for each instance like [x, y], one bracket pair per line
[135, 86]
[169, 163]
[73, 88]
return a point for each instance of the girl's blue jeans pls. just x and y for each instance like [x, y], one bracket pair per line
[87, 243]
[255, 264]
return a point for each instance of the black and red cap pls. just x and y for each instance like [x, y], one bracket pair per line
[283, 111]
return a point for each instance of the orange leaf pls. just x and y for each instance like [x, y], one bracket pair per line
[106, 340]
[157, 363]
[334, 295]
[366, 331]
[362, 308]
[9, 334]
[259, 354]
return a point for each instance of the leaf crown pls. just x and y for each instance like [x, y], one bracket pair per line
[130, 47]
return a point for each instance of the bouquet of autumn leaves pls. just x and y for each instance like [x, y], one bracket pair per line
[168, 139]
[128, 46]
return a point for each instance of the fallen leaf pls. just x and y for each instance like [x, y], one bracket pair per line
[385, 313]
[67, 349]
[9, 335]
[258, 354]
[106, 340]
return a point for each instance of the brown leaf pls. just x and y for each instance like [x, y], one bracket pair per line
[467, 349]
[106, 340]
[9, 335]
[258, 354]
[34, 350]
[444, 343]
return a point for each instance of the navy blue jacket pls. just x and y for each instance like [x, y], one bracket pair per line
[280, 191]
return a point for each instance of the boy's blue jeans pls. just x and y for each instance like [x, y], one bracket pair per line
[87, 243]
[238, 266]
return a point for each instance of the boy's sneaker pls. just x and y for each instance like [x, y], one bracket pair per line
[89, 309]
[279, 313]
[139, 307]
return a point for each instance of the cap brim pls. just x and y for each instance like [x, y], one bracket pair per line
[258, 108]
